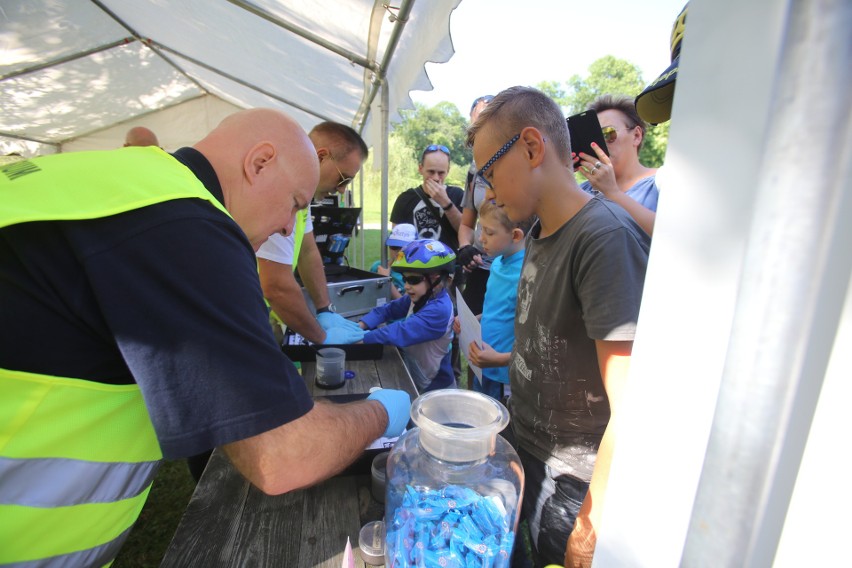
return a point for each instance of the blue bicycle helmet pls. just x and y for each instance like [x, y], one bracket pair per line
[425, 256]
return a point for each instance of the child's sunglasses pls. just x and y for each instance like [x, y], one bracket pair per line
[413, 279]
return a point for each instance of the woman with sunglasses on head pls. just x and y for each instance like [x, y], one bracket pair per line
[423, 317]
[620, 177]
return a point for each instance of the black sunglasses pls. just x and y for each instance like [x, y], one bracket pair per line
[482, 99]
[435, 148]
[413, 279]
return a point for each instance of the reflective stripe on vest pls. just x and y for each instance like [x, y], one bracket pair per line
[77, 457]
[99, 556]
[54, 482]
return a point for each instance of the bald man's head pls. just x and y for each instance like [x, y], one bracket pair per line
[140, 136]
[268, 169]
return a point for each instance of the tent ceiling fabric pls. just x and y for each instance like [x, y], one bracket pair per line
[71, 69]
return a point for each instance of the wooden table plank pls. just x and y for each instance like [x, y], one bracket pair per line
[323, 534]
[213, 515]
[393, 375]
[230, 523]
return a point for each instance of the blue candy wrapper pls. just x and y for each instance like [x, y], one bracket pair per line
[452, 527]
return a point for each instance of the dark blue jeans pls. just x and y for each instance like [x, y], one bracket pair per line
[551, 503]
[494, 389]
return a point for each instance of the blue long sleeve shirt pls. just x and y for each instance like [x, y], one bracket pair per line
[425, 337]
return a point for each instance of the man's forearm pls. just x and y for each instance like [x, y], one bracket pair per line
[466, 233]
[614, 364]
[310, 449]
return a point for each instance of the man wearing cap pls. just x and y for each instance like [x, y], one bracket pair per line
[341, 151]
[400, 236]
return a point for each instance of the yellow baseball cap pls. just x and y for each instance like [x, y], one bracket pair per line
[654, 104]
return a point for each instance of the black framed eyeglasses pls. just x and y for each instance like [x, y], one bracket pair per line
[481, 173]
[435, 148]
[413, 279]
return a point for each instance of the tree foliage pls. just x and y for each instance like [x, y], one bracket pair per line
[609, 76]
[554, 90]
[444, 124]
[441, 124]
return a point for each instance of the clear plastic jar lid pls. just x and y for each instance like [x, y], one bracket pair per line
[371, 541]
[458, 425]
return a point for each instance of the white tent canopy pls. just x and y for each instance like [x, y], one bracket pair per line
[76, 74]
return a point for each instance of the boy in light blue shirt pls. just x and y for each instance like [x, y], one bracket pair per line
[503, 240]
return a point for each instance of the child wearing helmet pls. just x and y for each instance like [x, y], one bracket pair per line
[422, 318]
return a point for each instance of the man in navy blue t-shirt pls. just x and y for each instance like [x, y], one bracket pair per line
[167, 297]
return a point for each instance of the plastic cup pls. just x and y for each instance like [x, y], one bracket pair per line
[330, 363]
[378, 472]
[371, 541]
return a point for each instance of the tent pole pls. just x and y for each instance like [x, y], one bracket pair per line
[361, 235]
[385, 131]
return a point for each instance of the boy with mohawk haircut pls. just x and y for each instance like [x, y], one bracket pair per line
[578, 303]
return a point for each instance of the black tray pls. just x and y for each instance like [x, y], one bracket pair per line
[354, 352]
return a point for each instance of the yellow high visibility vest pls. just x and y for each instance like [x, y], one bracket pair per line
[77, 457]
[299, 234]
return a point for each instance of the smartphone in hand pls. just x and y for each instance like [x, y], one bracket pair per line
[584, 128]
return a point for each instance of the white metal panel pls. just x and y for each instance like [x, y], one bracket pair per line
[181, 125]
[316, 60]
[707, 194]
[84, 95]
[38, 31]
[817, 525]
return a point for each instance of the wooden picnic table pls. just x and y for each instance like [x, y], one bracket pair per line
[229, 522]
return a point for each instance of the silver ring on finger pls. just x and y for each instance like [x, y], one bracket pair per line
[597, 165]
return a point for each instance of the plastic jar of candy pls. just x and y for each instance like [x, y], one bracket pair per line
[453, 485]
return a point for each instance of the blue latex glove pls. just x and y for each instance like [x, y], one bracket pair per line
[328, 320]
[343, 335]
[397, 404]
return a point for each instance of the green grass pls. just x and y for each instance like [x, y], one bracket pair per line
[159, 519]
[372, 249]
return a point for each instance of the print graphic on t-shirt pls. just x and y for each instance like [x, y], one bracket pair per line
[427, 226]
[521, 366]
[525, 291]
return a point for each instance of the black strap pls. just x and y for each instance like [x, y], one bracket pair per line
[428, 202]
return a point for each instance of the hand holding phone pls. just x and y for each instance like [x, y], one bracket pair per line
[584, 128]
